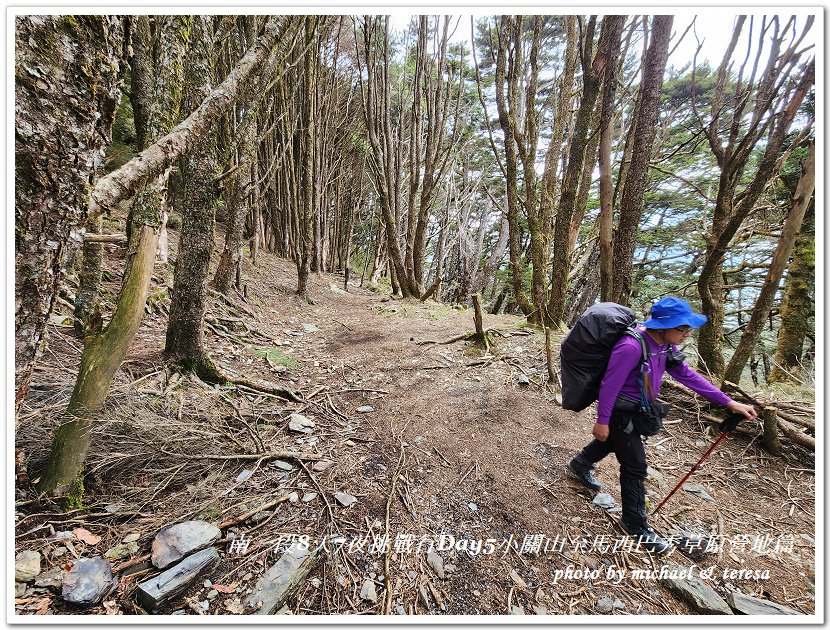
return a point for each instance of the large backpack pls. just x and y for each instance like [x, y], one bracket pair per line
[586, 348]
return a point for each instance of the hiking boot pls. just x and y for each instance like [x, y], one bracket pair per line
[583, 470]
[648, 539]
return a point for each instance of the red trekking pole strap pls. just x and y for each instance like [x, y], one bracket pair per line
[727, 426]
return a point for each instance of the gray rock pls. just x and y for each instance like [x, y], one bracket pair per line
[174, 542]
[122, 550]
[279, 582]
[345, 499]
[282, 465]
[436, 562]
[516, 610]
[244, 476]
[605, 605]
[652, 474]
[604, 500]
[365, 409]
[26, 566]
[157, 590]
[131, 537]
[753, 606]
[309, 496]
[299, 423]
[618, 604]
[540, 610]
[368, 592]
[88, 582]
[473, 507]
[523, 380]
[698, 491]
[310, 328]
[212, 594]
[699, 595]
[19, 589]
[399, 609]
[293, 497]
[50, 579]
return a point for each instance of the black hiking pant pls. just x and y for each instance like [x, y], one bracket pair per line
[631, 454]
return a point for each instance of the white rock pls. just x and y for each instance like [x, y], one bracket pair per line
[26, 566]
[299, 423]
[368, 592]
[365, 409]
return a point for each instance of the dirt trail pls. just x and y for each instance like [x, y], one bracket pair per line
[485, 457]
[483, 462]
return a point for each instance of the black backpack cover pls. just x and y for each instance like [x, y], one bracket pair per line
[585, 351]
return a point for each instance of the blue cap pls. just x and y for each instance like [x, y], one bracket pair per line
[672, 312]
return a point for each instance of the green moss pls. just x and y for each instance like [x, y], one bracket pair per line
[275, 356]
[75, 495]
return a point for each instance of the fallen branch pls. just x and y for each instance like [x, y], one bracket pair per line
[244, 517]
[299, 457]
[104, 238]
[781, 414]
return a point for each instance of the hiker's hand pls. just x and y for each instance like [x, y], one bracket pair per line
[745, 410]
[600, 431]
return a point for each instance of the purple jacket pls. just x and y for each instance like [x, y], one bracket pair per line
[624, 368]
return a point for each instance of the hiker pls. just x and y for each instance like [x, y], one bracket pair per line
[620, 396]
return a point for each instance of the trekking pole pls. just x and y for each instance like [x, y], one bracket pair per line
[726, 427]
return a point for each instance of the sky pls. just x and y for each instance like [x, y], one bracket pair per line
[713, 25]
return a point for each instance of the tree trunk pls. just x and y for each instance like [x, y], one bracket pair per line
[307, 213]
[798, 308]
[184, 341]
[631, 199]
[67, 89]
[593, 67]
[792, 226]
[104, 353]
[606, 188]
[775, 104]
[89, 281]
[102, 357]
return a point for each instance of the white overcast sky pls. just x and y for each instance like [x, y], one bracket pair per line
[713, 25]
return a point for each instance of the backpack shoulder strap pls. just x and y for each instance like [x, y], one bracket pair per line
[643, 379]
[631, 332]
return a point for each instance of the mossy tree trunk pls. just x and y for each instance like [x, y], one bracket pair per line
[102, 356]
[104, 353]
[798, 309]
[184, 341]
[89, 282]
[67, 89]
[238, 185]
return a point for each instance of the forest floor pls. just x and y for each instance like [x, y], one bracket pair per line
[472, 453]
